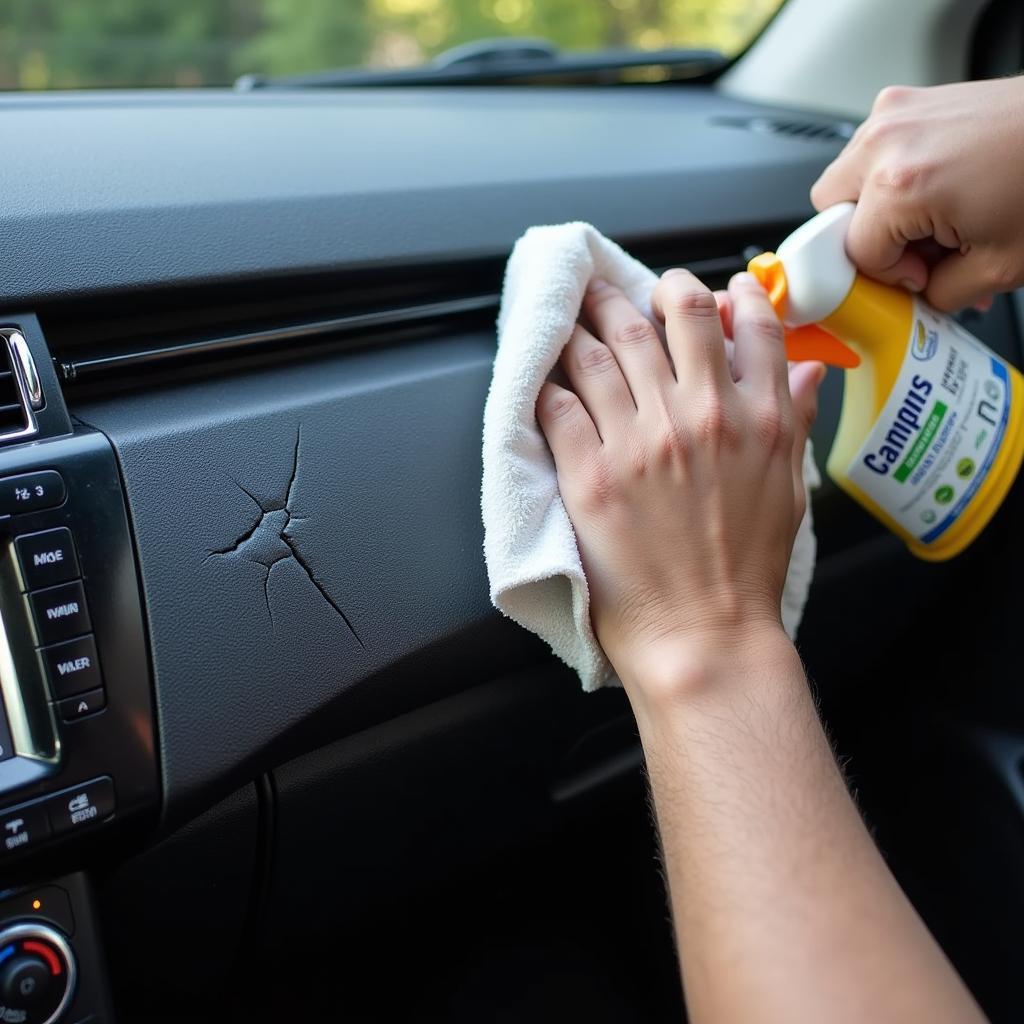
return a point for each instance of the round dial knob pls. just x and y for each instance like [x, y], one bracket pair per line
[37, 973]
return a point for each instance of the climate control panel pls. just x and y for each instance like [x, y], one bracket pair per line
[77, 739]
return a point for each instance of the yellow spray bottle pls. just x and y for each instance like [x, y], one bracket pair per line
[932, 427]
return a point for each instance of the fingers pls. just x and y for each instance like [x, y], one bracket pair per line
[598, 381]
[631, 338]
[877, 243]
[965, 280]
[881, 227]
[804, 381]
[693, 328]
[840, 182]
[759, 359]
[570, 432]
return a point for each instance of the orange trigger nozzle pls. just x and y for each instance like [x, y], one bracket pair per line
[802, 343]
[814, 342]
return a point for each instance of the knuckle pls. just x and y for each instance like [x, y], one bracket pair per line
[877, 131]
[597, 486]
[893, 96]
[901, 177]
[691, 301]
[557, 405]
[594, 359]
[635, 332]
[714, 426]
[774, 427]
[764, 326]
[672, 444]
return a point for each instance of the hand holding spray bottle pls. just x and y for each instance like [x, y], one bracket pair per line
[932, 427]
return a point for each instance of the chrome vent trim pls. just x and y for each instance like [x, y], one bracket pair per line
[20, 379]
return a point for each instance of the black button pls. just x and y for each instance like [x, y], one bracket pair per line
[78, 808]
[47, 558]
[31, 492]
[83, 705]
[60, 612]
[23, 828]
[25, 981]
[72, 667]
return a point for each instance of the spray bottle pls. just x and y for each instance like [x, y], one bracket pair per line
[932, 427]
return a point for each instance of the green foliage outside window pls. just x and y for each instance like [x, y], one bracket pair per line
[68, 44]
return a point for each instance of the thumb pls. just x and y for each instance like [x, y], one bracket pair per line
[804, 381]
[960, 280]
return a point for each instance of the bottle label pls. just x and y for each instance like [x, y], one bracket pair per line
[940, 429]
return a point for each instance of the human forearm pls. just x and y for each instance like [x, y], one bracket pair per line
[682, 473]
[784, 910]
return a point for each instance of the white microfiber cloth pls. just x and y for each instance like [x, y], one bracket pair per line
[533, 563]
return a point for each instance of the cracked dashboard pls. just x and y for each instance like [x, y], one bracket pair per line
[305, 520]
[275, 538]
[261, 374]
[248, 658]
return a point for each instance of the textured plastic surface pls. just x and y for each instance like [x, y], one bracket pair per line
[298, 530]
[120, 191]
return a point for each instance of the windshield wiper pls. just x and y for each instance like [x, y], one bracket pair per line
[497, 61]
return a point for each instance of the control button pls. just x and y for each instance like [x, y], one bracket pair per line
[37, 973]
[78, 808]
[60, 612]
[72, 667]
[83, 705]
[47, 558]
[31, 492]
[25, 980]
[23, 828]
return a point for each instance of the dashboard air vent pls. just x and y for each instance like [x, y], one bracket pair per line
[812, 131]
[147, 339]
[18, 387]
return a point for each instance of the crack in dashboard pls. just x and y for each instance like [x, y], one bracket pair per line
[268, 542]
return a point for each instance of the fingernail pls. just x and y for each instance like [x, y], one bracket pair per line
[744, 277]
[911, 286]
[984, 305]
[821, 374]
[596, 284]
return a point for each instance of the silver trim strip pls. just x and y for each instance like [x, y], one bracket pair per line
[22, 384]
[22, 357]
[315, 331]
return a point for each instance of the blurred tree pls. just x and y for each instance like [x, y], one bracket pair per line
[303, 35]
[76, 43]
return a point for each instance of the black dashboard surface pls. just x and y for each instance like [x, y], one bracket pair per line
[300, 528]
[114, 191]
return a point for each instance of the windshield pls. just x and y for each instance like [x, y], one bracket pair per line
[73, 44]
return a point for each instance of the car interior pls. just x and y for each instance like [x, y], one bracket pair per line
[268, 751]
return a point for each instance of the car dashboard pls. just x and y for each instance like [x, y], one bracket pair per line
[248, 657]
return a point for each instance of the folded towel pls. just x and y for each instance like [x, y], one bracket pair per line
[536, 576]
